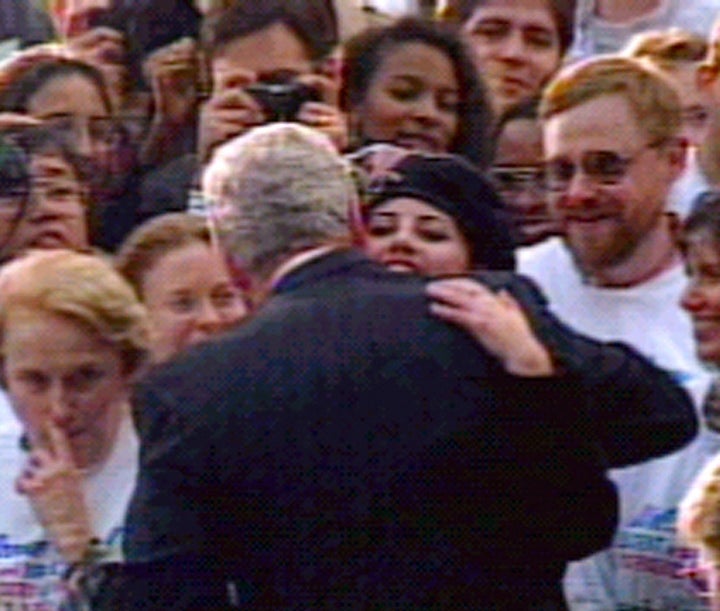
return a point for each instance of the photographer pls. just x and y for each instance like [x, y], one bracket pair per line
[248, 45]
[261, 62]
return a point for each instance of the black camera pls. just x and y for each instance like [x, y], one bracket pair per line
[281, 101]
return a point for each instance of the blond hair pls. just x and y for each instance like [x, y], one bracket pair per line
[83, 288]
[666, 48]
[699, 513]
[155, 238]
[653, 99]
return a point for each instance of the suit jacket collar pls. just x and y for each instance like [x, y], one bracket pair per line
[334, 263]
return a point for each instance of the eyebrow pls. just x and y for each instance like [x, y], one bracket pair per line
[421, 217]
[502, 21]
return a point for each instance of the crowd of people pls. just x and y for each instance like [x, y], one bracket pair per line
[305, 305]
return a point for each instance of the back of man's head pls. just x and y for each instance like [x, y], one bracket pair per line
[278, 190]
[654, 100]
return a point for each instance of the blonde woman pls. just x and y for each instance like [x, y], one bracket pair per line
[73, 336]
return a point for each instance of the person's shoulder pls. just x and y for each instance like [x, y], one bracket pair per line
[538, 257]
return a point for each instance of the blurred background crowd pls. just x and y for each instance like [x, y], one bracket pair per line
[574, 141]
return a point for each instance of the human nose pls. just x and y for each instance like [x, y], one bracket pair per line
[529, 198]
[574, 191]
[403, 239]
[208, 317]
[426, 109]
[44, 207]
[58, 403]
[83, 140]
[512, 46]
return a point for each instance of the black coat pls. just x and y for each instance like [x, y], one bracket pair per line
[345, 449]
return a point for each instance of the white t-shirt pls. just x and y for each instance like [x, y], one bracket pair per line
[7, 416]
[594, 35]
[30, 568]
[640, 569]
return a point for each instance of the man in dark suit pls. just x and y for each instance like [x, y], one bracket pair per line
[345, 449]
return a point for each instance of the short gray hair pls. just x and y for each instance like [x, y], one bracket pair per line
[277, 190]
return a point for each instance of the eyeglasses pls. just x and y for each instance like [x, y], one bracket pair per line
[695, 116]
[607, 168]
[518, 179]
[14, 172]
[103, 130]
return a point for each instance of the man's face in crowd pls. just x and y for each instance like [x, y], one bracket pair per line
[608, 181]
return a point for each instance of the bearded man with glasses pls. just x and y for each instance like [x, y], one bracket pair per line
[612, 149]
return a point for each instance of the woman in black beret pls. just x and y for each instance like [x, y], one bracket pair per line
[435, 215]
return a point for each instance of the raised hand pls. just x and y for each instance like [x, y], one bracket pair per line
[53, 485]
[229, 112]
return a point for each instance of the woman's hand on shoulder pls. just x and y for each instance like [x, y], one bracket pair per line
[495, 320]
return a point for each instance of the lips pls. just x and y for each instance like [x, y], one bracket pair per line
[400, 264]
[511, 84]
[590, 217]
[49, 239]
[587, 221]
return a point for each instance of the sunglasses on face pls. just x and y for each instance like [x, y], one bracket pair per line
[518, 179]
[607, 168]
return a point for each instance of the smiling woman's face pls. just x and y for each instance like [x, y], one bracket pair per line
[412, 100]
[60, 373]
[408, 235]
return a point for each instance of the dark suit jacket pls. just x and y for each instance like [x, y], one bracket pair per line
[344, 449]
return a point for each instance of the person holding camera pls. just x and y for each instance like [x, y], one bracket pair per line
[261, 61]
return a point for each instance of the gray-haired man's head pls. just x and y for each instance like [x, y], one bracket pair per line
[278, 190]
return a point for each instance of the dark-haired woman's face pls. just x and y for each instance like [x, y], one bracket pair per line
[412, 100]
[54, 215]
[411, 236]
[516, 46]
[702, 295]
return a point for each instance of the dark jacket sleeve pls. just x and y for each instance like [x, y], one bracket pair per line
[169, 540]
[638, 410]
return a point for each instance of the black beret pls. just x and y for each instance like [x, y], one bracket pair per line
[452, 185]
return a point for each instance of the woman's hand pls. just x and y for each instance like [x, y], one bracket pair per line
[495, 320]
[53, 485]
